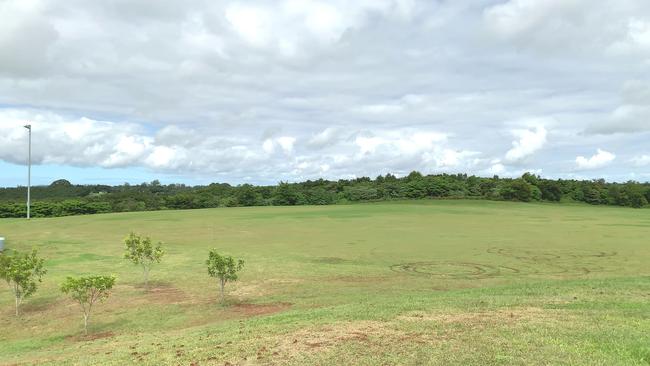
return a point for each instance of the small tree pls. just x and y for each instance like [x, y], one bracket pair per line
[142, 252]
[223, 268]
[87, 291]
[23, 272]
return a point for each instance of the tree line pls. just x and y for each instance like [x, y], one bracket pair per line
[61, 198]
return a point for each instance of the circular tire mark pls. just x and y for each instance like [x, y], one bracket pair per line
[455, 270]
[560, 262]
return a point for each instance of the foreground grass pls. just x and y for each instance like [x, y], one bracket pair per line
[431, 282]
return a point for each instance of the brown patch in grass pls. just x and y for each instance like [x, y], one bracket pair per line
[249, 290]
[372, 334]
[358, 279]
[29, 307]
[91, 336]
[158, 292]
[254, 289]
[166, 294]
[501, 316]
[260, 309]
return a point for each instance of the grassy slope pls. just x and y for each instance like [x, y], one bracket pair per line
[500, 283]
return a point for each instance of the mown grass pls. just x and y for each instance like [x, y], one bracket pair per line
[426, 282]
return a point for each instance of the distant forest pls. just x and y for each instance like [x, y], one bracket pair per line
[61, 198]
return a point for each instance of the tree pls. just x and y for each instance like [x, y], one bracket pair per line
[517, 190]
[223, 268]
[23, 272]
[87, 291]
[248, 196]
[142, 252]
[287, 195]
[61, 183]
[551, 190]
[635, 195]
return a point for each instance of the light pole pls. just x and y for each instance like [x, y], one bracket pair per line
[29, 171]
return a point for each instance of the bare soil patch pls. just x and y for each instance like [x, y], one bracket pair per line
[502, 316]
[90, 337]
[31, 307]
[250, 310]
[166, 295]
[372, 334]
[255, 289]
[162, 293]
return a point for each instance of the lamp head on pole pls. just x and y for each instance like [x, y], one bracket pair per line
[29, 127]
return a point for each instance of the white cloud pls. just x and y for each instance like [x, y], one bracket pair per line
[289, 89]
[497, 169]
[636, 40]
[641, 160]
[286, 143]
[290, 26]
[639, 32]
[633, 115]
[381, 108]
[162, 157]
[600, 159]
[529, 142]
[454, 158]
[324, 138]
[250, 22]
[515, 17]
[128, 150]
[268, 146]
[368, 144]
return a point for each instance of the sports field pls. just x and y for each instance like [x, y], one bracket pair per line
[409, 283]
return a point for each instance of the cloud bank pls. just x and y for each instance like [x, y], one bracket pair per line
[264, 91]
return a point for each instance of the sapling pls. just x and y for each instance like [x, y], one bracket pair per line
[87, 291]
[142, 252]
[224, 269]
[23, 272]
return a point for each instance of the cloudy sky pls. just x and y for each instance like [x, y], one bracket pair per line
[199, 91]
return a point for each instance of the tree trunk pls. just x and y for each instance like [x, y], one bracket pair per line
[146, 277]
[223, 296]
[18, 299]
[86, 324]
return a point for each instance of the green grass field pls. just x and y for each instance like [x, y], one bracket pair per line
[426, 282]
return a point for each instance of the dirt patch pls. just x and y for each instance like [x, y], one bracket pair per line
[31, 307]
[501, 316]
[260, 309]
[255, 289]
[159, 292]
[367, 332]
[90, 337]
[166, 294]
[249, 290]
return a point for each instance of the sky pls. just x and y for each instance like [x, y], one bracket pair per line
[254, 91]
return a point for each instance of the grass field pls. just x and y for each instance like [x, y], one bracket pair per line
[426, 282]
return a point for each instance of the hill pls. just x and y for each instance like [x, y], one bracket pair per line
[434, 282]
